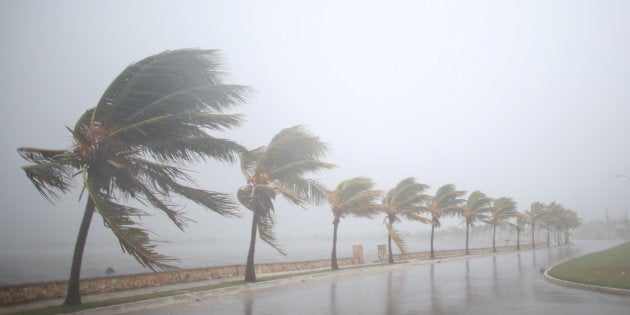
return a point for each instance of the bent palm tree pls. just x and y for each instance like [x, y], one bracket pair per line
[403, 200]
[475, 209]
[571, 222]
[536, 212]
[519, 226]
[153, 115]
[501, 211]
[444, 203]
[278, 168]
[355, 197]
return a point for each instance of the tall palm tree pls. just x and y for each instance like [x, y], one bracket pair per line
[557, 215]
[279, 169]
[446, 202]
[519, 226]
[536, 212]
[572, 220]
[502, 209]
[354, 197]
[476, 208]
[152, 117]
[404, 200]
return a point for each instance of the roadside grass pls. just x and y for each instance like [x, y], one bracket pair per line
[62, 309]
[608, 268]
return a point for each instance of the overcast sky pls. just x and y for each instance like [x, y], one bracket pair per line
[524, 99]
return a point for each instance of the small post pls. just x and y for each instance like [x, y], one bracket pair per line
[382, 253]
[357, 254]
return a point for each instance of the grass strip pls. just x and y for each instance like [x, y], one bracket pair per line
[608, 268]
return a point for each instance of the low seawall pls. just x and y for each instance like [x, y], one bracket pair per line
[29, 292]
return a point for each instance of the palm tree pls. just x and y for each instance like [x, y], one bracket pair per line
[571, 222]
[475, 209]
[153, 116]
[519, 225]
[354, 197]
[403, 200]
[279, 168]
[537, 211]
[502, 209]
[444, 203]
[557, 218]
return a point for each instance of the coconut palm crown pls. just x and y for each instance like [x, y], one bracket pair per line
[537, 211]
[404, 200]
[355, 197]
[502, 210]
[152, 118]
[474, 210]
[279, 169]
[446, 202]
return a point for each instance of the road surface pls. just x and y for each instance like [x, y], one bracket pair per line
[502, 284]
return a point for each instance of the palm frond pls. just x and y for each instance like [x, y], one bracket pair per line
[298, 168]
[250, 160]
[306, 190]
[167, 83]
[220, 203]
[193, 148]
[400, 243]
[133, 240]
[291, 145]
[50, 178]
[363, 204]
[265, 229]
[416, 217]
[246, 197]
[349, 188]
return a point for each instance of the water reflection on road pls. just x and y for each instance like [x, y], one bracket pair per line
[505, 283]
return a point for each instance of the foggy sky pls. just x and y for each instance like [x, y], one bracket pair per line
[528, 100]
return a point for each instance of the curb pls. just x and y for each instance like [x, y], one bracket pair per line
[582, 286]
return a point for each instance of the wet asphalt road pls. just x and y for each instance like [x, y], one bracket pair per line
[502, 284]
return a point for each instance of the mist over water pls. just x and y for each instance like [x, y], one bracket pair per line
[24, 264]
[522, 99]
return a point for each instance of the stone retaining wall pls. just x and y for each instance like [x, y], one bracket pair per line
[28, 292]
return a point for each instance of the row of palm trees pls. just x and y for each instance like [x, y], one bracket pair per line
[408, 200]
[154, 119]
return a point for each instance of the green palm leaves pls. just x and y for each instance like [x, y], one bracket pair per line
[279, 169]
[404, 200]
[475, 209]
[502, 209]
[356, 197]
[537, 211]
[446, 202]
[154, 115]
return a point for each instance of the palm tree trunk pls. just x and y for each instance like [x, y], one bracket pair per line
[250, 272]
[558, 236]
[494, 233]
[547, 237]
[389, 243]
[432, 232]
[533, 228]
[333, 258]
[73, 296]
[467, 228]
